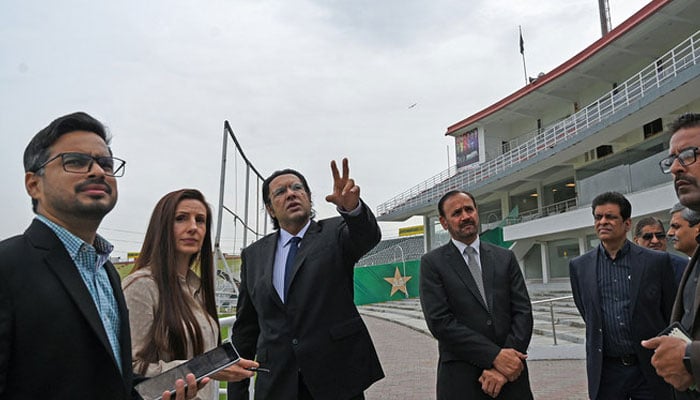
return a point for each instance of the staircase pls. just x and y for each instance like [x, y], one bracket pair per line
[568, 324]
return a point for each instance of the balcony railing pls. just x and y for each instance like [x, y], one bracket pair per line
[666, 67]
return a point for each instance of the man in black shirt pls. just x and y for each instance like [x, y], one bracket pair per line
[624, 293]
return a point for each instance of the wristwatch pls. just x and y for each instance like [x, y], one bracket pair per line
[686, 360]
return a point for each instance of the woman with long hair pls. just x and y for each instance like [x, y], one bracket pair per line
[172, 311]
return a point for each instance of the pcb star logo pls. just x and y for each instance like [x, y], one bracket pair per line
[398, 282]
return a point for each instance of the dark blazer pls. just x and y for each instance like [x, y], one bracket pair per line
[318, 332]
[469, 334]
[677, 315]
[652, 290]
[678, 263]
[52, 342]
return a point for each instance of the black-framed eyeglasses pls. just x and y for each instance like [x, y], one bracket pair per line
[659, 235]
[81, 163]
[686, 157]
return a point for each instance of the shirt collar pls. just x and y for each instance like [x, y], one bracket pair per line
[285, 236]
[72, 243]
[623, 250]
[463, 246]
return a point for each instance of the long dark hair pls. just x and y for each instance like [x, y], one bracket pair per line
[174, 322]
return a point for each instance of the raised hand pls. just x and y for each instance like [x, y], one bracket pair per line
[346, 194]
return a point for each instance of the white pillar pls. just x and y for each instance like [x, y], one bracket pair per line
[582, 245]
[427, 233]
[545, 262]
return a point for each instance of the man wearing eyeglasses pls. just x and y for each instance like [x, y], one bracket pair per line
[624, 293]
[64, 326]
[678, 360]
[650, 233]
[295, 311]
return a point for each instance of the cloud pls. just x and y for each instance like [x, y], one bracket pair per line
[301, 82]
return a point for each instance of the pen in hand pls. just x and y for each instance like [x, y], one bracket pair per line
[258, 369]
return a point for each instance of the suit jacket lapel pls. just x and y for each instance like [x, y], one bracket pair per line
[305, 247]
[59, 262]
[638, 266]
[124, 334]
[488, 272]
[678, 307]
[267, 260]
[589, 273]
[457, 263]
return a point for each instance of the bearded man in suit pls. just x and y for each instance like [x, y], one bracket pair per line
[296, 310]
[476, 305]
[64, 326]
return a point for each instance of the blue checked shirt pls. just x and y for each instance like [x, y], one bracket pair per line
[90, 262]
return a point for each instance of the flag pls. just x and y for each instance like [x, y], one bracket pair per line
[522, 42]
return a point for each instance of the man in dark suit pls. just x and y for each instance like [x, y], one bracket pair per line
[677, 360]
[476, 305]
[295, 304]
[650, 233]
[624, 293]
[64, 327]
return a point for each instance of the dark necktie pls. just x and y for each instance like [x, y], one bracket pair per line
[289, 264]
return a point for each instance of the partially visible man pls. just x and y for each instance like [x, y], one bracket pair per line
[624, 293]
[64, 330]
[677, 361]
[295, 306]
[476, 305]
[683, 229]
[650, 233]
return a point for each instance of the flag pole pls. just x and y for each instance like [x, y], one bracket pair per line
[522, 52]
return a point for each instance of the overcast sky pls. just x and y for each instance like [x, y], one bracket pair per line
[301, 82]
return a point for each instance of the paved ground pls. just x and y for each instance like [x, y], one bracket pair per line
[409, 359]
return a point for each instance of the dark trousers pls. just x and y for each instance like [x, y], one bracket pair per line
[305, 395]
[687, 395]
[622, 382]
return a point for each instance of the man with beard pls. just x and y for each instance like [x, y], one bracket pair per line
[624, 293]
[675, 359]
[295, 305]
[64, 327]
[476, 305]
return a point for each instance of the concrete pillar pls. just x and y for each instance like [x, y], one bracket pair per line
[582, 244]
[544, 254]
[428, 230]
[505, 204]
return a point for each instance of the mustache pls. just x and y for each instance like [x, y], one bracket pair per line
[93, 181]
[684, 177]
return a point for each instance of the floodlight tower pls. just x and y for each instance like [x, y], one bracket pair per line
[604, 10]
